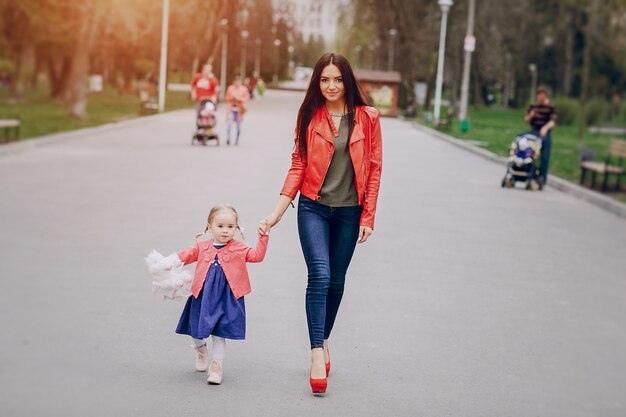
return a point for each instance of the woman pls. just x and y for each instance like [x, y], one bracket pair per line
[336, 166]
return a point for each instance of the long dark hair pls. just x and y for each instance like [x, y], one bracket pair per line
[313, 99]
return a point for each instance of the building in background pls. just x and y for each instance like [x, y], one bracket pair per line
[312, 18]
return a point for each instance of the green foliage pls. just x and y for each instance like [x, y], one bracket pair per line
[567, 110]
[143, 66]
[596, 111]
[7, 66]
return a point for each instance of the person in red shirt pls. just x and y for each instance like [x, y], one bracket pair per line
[204, 85]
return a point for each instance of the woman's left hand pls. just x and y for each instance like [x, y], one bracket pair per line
[364, 233]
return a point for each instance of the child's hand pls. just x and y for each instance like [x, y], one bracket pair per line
[264, 228]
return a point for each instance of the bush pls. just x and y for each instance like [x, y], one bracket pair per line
[7, 66]
[596, 111]
[567, 111]
[143, 66]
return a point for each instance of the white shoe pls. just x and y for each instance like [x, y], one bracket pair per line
[202, 361]
[215, 373]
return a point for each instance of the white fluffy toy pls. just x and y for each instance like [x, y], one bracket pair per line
[169, 277]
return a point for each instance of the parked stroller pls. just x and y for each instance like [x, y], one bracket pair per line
[205, 123]
[523, 163]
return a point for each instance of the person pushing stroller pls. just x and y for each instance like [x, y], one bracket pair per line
[542, 118]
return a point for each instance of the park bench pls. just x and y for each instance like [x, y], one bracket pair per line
[147, 104]
[612, 164]
[11, 129]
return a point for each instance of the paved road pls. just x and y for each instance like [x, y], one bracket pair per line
[469, 300]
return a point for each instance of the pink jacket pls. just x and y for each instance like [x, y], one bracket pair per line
[232, 257]
[237, 96]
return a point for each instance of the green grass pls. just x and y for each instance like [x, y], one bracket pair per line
[41, 115]
[494, 128]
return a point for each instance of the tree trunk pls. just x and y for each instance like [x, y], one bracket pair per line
[58, 73]
[77, 92]
[582, 115]
[569, 55]
[16, 82]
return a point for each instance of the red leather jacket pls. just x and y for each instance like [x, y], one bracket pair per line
[307, 173]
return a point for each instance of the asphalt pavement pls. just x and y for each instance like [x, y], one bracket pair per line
[468, 300]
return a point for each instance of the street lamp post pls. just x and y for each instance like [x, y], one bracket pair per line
[377, 43]
[277, 43]
[224, 24]
[445, 7]
[392, 44]
[257, 58]
[532, 67]
[243, 22]
[292, 64]
[163, 66]
[244, 39]
[469, 46]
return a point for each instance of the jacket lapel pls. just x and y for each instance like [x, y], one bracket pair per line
[357, 133]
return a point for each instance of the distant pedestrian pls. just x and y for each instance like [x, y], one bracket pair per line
[542, 118]
[336, 167]
[216, 307]
[204, 86]
[237, 96]
[260, 87]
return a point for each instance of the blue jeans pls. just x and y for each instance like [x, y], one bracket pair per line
[233, 116]
[328, 237]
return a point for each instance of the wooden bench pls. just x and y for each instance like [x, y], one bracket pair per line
[11, 129]
[612, 165]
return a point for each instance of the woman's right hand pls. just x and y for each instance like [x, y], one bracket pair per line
[267, 223]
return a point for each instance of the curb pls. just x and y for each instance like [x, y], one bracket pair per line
[39, 141]
[568, 187]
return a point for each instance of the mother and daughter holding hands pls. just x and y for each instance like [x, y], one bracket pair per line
[336, 167]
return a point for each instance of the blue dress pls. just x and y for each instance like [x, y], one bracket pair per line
[215, 311]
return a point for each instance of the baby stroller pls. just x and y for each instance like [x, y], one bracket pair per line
[523, 162]
[205, 123]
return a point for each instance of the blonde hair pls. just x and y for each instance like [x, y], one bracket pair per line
[213, 213]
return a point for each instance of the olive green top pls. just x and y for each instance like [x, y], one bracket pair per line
[338, 189]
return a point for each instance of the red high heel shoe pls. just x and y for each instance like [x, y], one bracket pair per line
[318, 386]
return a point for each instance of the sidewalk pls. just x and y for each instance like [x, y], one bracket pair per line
[554, 181]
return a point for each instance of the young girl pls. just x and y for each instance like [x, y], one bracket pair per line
[216, 307]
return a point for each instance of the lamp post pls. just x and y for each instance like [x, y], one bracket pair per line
[392, 44]
[292, 64]
[163, 66]
[257, 58]
[244, 39]
[243, 22]
[469, 46]
[532, 67]
[445, 7]
[277, 43]
[224, 24]
[376, 64]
